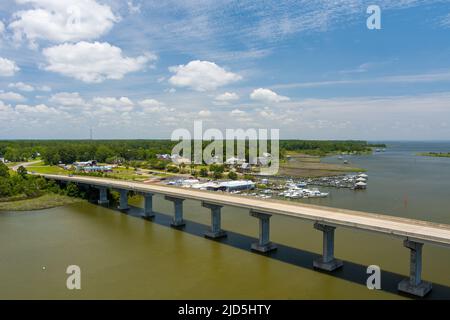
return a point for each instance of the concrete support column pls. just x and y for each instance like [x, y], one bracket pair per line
[178, 206]
[414, 285]
[327, 262]
[123, 204]
[215, 232]
[103, 196]
[264, 244]
[148, 206]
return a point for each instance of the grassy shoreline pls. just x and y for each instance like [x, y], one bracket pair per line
[435, 154]
[308, 166]
[46, 201]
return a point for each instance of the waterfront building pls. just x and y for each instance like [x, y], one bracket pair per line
[237, 185]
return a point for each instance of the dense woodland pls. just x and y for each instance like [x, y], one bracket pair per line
[20, 185]
[116, 151]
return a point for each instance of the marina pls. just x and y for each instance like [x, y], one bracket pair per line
[278, 188]
[401, 184]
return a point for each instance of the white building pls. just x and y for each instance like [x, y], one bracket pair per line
[236, 185]
[177, 159]
[86, 163]
[234, 161]
[163, 156]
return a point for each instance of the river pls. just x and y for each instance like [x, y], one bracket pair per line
[123, 256]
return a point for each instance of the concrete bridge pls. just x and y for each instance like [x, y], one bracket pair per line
[415, 233]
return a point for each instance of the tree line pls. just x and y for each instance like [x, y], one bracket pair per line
[117, 151]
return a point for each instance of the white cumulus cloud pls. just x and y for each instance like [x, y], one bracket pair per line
[40, 109]
[6, 112]
[152, 105]
[204, 113]
[68, 99]
[227, 97]
[8, 67]
[202, 76]
[93, 62]
[11, 96]
[21, 86]
[237, 112]
[62, 20]
[267, 96]
[123, 103]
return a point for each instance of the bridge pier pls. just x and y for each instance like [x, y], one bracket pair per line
[178, 206]
[414, 285]
[103, 196]
[148, 206]
[263, 245]
[123, 202]
[215, 232]
[327, 262]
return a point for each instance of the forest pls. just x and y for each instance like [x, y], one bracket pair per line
[119, 151]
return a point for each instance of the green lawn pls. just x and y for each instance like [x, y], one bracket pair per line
[118, 173]
[12, 164]
[41, 168]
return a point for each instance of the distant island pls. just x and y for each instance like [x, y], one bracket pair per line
[435, 154]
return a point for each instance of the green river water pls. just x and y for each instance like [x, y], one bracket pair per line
[124, 256]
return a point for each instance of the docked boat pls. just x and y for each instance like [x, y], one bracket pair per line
[360, 185]
[364, 176]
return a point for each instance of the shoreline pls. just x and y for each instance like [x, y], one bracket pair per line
[46, 201]
[434, 154]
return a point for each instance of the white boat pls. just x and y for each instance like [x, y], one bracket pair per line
[314, 193]
[360, 185]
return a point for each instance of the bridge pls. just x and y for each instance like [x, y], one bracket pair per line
[415, 233]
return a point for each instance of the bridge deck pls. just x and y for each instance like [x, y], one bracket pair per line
[417, 230]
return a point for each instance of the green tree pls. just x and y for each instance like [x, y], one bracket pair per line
[4, 170]
[217, 168]
[232, 175]
[173, 169]
[72, 190]
[21, 171]
[5, 187]
[217, 175]
[249, 177]
[103, 153]
[203, 172]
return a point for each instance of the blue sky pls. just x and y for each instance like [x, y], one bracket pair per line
[140, 69]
